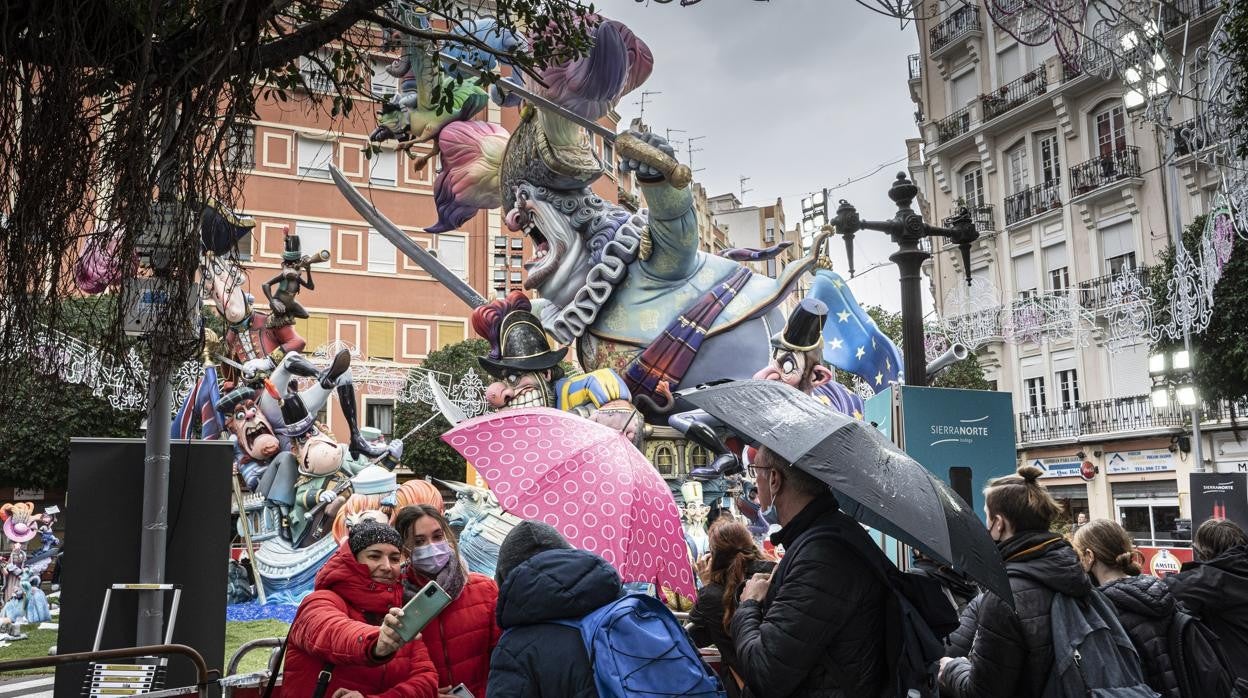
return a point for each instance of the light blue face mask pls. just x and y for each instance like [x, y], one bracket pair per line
[430, 559]
[769, 515]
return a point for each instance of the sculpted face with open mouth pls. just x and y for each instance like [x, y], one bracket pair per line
[560, 259]
[253, 431]
[517, 389]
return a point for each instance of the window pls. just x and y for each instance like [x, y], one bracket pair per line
[380, 253]
[315, 331]
[973, 188]
[242, 247]
[608, 151]
[1068, 389]
[1111, 131]
[1025, 275]
[500, 276]
[1016, 166]
[314, 157]
[1010, 62]
[770, 234]
[313, 237]
[384, 84]
[381, 339]
[1034, 389]
[515, 277]
[1057, 267]
[517, 260]
[664, 458]
[771, 268]
[314, 76]
[1120, 263]
[517, 243]
[384, 167]
[1150, 522]
[1050, 158]
[500, 242]
[450, 333]
[963, 89]
[1117, 247]
[379, 414]
[500, 260]
[453, 252]
[241, 146]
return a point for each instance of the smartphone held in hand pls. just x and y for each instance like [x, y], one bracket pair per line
[427, 603]
[461, 691]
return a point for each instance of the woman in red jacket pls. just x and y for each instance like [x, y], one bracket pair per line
[461, 638]
[346, 627]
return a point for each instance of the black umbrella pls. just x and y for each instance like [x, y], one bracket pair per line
[875, 482]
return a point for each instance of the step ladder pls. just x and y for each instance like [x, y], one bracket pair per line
[145, 674]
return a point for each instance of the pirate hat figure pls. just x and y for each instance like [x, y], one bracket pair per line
[295, 416]
[293, 251]
[804, 329]
[232, 399]
[518, 344]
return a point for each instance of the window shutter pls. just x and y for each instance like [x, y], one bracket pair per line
[380, 339]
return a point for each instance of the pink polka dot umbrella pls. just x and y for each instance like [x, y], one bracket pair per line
[588, 482]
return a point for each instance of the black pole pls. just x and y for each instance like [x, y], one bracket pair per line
[907, 229]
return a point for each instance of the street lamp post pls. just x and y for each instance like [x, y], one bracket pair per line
[907, 229]
[1174, 381]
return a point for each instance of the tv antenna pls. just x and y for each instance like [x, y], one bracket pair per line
[690, 150]
[642, 102]
[742, 180]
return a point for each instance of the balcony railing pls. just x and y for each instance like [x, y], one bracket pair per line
[964, 19]
[1189, 138]
[954, 125]
[982, 216]
[1135, 413]
[1013, 94]
[915, 63]
[1106, 169]
[1175, 12]
[1104, 292]
[1071, 70]
[1033, 201]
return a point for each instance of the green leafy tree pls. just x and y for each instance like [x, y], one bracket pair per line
[425, 452]
[46, 411]
[963, 374]
[1220, 352]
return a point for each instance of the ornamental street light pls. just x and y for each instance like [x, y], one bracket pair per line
[907, 229]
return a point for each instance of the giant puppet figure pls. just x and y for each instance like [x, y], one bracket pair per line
[629, 291]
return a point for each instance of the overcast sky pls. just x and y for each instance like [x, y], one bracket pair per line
[794, 94]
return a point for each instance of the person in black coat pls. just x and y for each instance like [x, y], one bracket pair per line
[1009, 651]
[1145, 605]
[1215, 587]
[732, 559]
[542, 579]
[817, 625]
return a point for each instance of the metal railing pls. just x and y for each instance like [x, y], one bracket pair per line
[1103, 170]
[1100, 293]
[962, 20]
[1134, 413]
[1033, 201]
[1175, 12]
[982, 217]
[205, 678]
[1071, 70]
[915, 64]
[1189, 138]
[954, 125]
[1014, 93]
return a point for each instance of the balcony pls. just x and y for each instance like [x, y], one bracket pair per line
[1032, 202]
[962, 22]
[954, 125]
[1175, 12]
[1128, 414]
[1189, 138]
[1013, 94]
[1106, 292]
[1102, 171]
[915, 63]
[983, 218]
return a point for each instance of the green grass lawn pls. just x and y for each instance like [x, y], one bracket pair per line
[235, 635]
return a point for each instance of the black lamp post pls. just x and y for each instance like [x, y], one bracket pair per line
[907, 229]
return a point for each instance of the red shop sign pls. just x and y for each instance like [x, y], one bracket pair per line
[1161, 562]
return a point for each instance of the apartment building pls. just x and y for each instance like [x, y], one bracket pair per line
[368, 296]
[1068, 189]
[756, 227]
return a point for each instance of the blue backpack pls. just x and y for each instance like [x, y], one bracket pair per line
[638, 649]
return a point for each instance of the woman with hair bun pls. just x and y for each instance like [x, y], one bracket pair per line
[1010, 651]
[1145, 606]
[733, 558]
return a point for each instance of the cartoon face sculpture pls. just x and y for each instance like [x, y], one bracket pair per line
[796, 350]
[227, 292]
[316, 452]
[252, 429]
[520, 389]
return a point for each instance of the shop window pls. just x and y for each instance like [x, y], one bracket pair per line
[1152, 523]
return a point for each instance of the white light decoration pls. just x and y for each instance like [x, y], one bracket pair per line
[1049, 317]
[1128, 312]
[972, 314]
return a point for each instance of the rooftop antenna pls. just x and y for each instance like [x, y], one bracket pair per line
[742, 180]
[690, 150]
[670, 131]
[642, 102]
